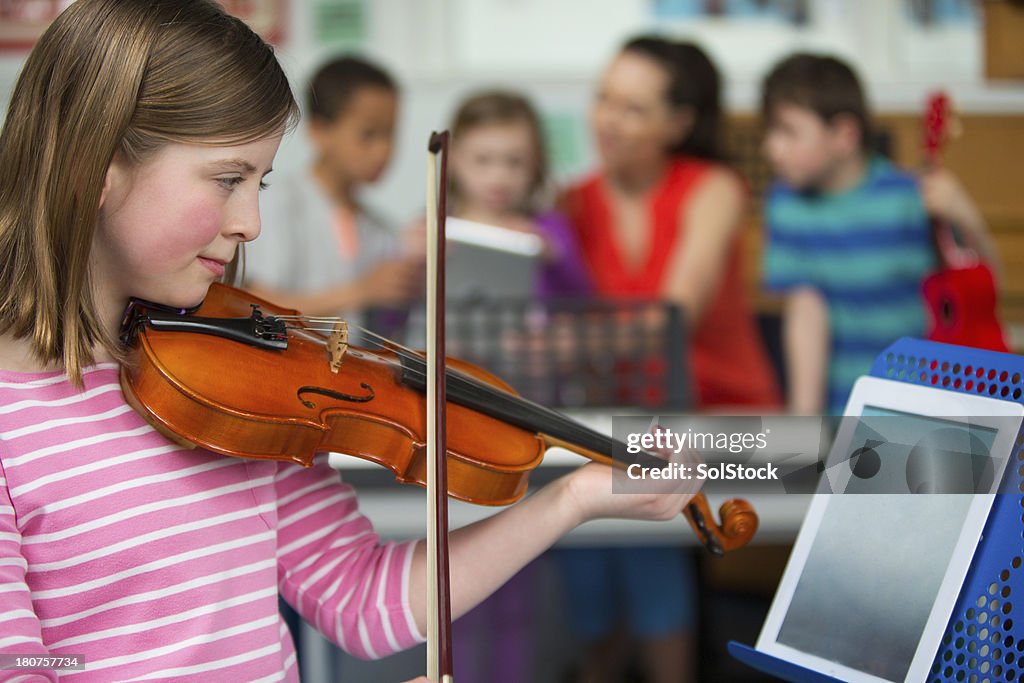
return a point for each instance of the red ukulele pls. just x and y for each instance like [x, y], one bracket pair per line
[961, 295]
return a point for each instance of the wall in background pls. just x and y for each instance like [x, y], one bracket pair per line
[553, 51]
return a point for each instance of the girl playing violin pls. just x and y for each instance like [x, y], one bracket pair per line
[136, 141]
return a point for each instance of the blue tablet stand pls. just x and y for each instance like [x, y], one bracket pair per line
[984, 639]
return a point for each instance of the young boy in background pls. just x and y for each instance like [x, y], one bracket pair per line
[848, 234]
[322, 251]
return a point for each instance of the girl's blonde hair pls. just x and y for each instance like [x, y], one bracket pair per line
[500, 107]
[112, 77]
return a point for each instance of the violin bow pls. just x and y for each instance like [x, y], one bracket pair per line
[439, 617]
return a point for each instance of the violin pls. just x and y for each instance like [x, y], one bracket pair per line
[265, 382]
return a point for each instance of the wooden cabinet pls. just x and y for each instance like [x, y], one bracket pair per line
[1004, 39]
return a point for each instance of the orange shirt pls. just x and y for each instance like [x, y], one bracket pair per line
[728, 362]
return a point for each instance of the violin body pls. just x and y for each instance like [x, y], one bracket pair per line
[241, 400]
[235, 380]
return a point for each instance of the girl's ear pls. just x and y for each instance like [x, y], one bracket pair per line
[106, 186]
[115, 175]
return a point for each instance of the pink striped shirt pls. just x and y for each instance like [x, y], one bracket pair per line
[157, 562]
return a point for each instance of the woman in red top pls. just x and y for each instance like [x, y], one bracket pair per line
[661, 217]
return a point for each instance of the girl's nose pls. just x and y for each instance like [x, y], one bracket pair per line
[243, 223]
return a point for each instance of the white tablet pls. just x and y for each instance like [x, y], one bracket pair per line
[488, 261]
[875, 571]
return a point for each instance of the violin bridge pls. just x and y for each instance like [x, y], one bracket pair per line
[337, 344]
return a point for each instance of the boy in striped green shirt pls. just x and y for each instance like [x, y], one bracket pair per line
[848, 234]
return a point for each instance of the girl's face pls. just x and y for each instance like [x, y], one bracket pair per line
[356, 145]
[495, 165]
[169, 225]
[633, 124]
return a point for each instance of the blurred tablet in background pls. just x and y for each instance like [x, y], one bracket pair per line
[488, 262]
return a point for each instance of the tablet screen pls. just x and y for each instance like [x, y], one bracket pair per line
[871, 578]
[896, 452]
[876, 570]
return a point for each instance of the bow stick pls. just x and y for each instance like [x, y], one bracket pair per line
[439, 624]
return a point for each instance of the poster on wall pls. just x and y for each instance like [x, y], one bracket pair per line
[788, 11]
[940, 37]
[268, 18]
[930, 13]
[565, 140]
[341, 23]
[23, 21]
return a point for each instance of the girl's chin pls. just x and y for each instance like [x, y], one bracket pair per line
[498, 209]
[186, 298]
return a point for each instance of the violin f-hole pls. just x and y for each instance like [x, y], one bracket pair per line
[330, 393]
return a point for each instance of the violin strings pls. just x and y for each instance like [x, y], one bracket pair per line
[416, 368]
[379, 339]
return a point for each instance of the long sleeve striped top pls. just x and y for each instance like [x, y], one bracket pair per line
[158, 562]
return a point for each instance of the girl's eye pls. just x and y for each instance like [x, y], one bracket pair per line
[264, 185]
[230, 183]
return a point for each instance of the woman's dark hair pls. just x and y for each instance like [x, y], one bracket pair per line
[694, 83]
[337, 81]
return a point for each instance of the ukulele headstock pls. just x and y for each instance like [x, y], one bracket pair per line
[941, 125]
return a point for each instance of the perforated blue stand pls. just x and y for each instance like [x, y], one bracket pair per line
[984, 639]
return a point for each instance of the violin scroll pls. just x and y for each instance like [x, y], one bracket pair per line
[739, 524]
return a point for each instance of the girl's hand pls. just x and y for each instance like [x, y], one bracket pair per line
[420, 679]
[485, 554]
[598, 491]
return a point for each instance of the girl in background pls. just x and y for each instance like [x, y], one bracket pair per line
[498, 176]
[131, 160]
